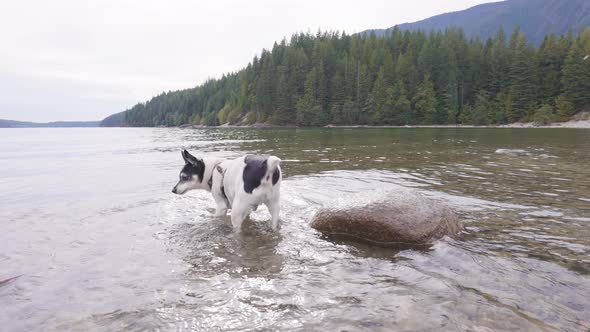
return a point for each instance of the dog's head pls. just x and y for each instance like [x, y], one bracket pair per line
[191, 175]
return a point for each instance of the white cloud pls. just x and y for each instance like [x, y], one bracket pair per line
[84, 60]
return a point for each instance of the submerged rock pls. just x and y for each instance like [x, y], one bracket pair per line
[401, 216]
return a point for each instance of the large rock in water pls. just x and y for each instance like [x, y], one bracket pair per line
[401, 216]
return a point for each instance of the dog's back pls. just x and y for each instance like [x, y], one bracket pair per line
[260, 171]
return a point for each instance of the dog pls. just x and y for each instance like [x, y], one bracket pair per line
[240, 184]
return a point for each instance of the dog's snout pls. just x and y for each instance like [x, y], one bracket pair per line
[174, 190]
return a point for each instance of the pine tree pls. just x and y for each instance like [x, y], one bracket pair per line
[397, 109]
[282, 115]
[450, 102]
[544, 115]
[576, 72]
[307, 104]
[336, 115]
[425, 103]
[521, 77]
[379, 92]
[480, 111]
[498, 58]
[503, 108]
[350, 112]
[565, 108]
[551, 58]
[368, 110]
[337, 89]
[403, 111]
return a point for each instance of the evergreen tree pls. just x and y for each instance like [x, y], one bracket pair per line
[576, 72]
[544, 115]
[480, 111]
[283, 114]
[367, 111]
[503, 107]
[551, 57]
[379, 92]
[397, 109]
[450, 102]
[336, 115]
[521, 77]
[350, 112]
[425, 103]
[565, 108]
[498, 57]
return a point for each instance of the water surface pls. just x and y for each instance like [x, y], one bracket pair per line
[92, 238]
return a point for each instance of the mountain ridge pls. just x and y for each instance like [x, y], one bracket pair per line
[536, 19]
[54, 124]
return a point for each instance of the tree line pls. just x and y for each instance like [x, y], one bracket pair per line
[402, 78]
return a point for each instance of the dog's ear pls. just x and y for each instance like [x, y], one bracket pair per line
[189, 158]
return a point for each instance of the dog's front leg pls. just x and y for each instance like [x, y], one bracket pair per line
[221, 205]
[221, 209]
[239, 212]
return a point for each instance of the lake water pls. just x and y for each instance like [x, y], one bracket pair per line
[93, 239]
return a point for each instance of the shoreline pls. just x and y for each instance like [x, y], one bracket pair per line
[582, 124]
[572, 124]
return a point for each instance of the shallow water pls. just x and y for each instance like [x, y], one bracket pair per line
[92, 238]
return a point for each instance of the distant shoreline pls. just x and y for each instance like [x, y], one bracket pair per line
[575, 124]
[54, 124]
[585, 124]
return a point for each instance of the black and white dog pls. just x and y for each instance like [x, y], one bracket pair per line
[239, 184]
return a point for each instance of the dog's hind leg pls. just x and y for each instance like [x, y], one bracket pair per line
[274, 207]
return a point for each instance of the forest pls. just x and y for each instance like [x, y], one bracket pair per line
[401, 78]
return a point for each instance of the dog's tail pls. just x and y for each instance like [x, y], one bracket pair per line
[272, 162]
[272, 169]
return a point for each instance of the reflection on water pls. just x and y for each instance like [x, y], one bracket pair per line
[210, 247]
[92, 238]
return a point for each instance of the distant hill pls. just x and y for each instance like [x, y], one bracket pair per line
[536, 19]
[56, 124]
[114, 120]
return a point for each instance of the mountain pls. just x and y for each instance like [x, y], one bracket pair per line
[56, 124]
[536, 19]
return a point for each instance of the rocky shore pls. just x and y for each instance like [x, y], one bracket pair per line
[580, 121]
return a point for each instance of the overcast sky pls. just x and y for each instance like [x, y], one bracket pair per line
[84, 60]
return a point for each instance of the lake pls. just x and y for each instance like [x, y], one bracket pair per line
[93, 239]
